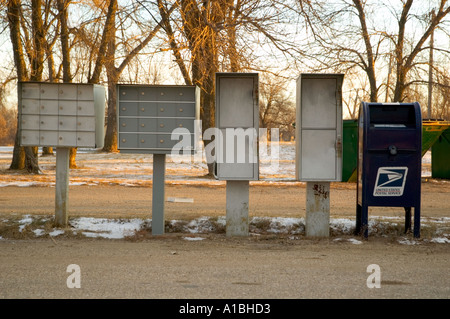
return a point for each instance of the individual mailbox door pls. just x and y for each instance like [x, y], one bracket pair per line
[30, 106]
[30, 122]
[85, 93]
[86, 139]
[48, 138]
[67, 139]
[67, 92]
[48, 107]
[29, 138]
[67, 107]
[147, 109]
[237, 118]
[48, 123]
[319, 127]
[67, 123]
[48, 91]
[86, 123]
[85, 108]
[30, 91]
[147, 125]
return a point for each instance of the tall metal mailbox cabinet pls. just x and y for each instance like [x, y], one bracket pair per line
[237, 119]
[319, 127]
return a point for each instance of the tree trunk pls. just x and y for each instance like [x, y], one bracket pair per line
[18, 159]
[111, 127]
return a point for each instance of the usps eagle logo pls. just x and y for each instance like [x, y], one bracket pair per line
[390, 181]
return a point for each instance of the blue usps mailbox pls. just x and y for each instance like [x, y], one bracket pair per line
[389, 161]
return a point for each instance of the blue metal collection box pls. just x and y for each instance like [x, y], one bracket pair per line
[389, 161]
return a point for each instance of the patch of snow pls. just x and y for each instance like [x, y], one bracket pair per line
[193, 238]
[56, 232]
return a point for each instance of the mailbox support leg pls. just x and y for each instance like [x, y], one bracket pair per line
[237, 208]
[159, 171]
[62, 186]
[417, 221]
[317, 209]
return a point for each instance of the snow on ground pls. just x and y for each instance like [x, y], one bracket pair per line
[340, 228]
[97, 168]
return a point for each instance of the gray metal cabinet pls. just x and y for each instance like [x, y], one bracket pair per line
[61, 114]
[319, 127]
[148, 114]
[237, 120]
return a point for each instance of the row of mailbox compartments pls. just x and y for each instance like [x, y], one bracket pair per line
[58, 122]
[52, 138]
[166, 125]
[186, 94]
[55, 91]
[157, 109]
[153, 141]
[53, 107]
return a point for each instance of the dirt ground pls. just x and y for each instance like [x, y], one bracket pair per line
[268, 266]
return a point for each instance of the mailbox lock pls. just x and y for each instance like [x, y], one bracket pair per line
[61, 123]
[60, 138]
[161, 109]
[161, 141]
[124, 124]
[161, 125]
[124, 108]
[181, 125]
[142, 125]
[60, 107]
[142, 141]
[124, 140]
[162, 93]
[393, 150]
[124, 93]
[143, 109]
[181, 110]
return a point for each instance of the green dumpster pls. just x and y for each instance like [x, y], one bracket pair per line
[350, 149]
[440, 156]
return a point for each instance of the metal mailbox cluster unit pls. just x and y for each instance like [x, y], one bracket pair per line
[61, 114]
[147, 115]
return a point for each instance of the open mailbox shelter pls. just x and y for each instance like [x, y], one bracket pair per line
[389, 160]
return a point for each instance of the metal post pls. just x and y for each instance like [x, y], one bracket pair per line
[159, 171]
[62, 186]
[237, 208]
[317, 209]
